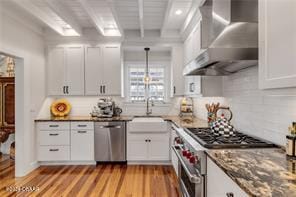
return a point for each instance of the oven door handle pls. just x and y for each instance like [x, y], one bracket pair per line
[192, 177]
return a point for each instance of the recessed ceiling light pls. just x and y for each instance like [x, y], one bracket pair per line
[178, 12]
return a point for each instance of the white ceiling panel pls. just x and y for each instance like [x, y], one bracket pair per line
[79, 13]
[128, 13]
[124, 14]
[154, 12]
[176, 21]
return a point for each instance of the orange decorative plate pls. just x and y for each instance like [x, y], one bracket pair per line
[60, 107]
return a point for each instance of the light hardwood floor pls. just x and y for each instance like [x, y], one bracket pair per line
[101, 180]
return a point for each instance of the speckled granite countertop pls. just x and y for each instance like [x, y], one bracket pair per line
[259, 172]
[197, 123]
[175, 119]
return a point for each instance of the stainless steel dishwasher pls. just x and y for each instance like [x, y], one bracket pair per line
[110, 141]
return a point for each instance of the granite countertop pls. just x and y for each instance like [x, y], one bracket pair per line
[85, 118]
[259, 172]
[175, 119]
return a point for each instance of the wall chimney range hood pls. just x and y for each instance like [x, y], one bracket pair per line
[229, 38]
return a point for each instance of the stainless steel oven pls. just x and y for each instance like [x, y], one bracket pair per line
[191, 169]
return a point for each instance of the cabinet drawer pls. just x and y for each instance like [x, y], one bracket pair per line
[54, 137]
[53, 153]
[54, 125]
[82, 125]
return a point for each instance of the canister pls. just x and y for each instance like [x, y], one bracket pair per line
[290, 146]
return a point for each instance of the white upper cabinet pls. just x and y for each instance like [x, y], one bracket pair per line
[103, 70]
[89, 70]
[93, 71]
[112, 70]
[196, 41]
[75, 70]
[177, 71]
[192, 45]
[66, 70]
[277, 44]
[56, 71]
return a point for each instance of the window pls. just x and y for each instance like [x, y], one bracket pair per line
[136, 89]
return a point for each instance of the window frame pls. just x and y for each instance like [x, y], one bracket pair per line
[142, 64]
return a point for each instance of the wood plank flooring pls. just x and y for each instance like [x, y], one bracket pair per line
[101, 180]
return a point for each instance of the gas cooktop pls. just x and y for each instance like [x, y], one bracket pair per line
[207, 139]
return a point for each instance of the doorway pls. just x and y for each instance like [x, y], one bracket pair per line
[12, 112]
[7, 107]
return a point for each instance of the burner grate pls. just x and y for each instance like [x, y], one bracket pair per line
[207, 138]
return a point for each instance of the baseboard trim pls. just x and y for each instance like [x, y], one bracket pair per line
[149, 163]
[50, 163]
[34, 165]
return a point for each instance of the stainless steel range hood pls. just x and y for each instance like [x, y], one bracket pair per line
[229, 37]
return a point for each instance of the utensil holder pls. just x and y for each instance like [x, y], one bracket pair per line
[211, 118]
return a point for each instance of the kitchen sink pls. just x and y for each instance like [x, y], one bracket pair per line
[148, 124]
[148, 119]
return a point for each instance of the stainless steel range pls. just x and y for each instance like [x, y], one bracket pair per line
[190, 146]
[211, 141]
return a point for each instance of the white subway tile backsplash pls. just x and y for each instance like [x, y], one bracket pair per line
[263, 113]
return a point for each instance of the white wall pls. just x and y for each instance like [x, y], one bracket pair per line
[19, 37]
[263, 113]
[83, 105]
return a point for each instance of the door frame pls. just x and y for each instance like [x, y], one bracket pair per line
[22, 166]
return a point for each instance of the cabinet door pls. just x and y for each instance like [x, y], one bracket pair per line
[56, 71]
[188, 49]
[137, 148]
[215, 176]
[177, 70]
[82, 145]
[196, 41]
[277, 44]
[75, 70]
[93, 71]
[159, 147]
[8, 104]
[112, 70]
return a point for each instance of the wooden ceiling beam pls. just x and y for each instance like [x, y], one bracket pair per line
[141, 17]
[114, 14]
[166, 17]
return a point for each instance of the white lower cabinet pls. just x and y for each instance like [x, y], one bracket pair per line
[137, 147]
[65, 141]
[82, 144]
[219, 184]
[148, 147]
[159, 147]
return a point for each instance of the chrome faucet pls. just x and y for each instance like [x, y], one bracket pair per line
[148, 110]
